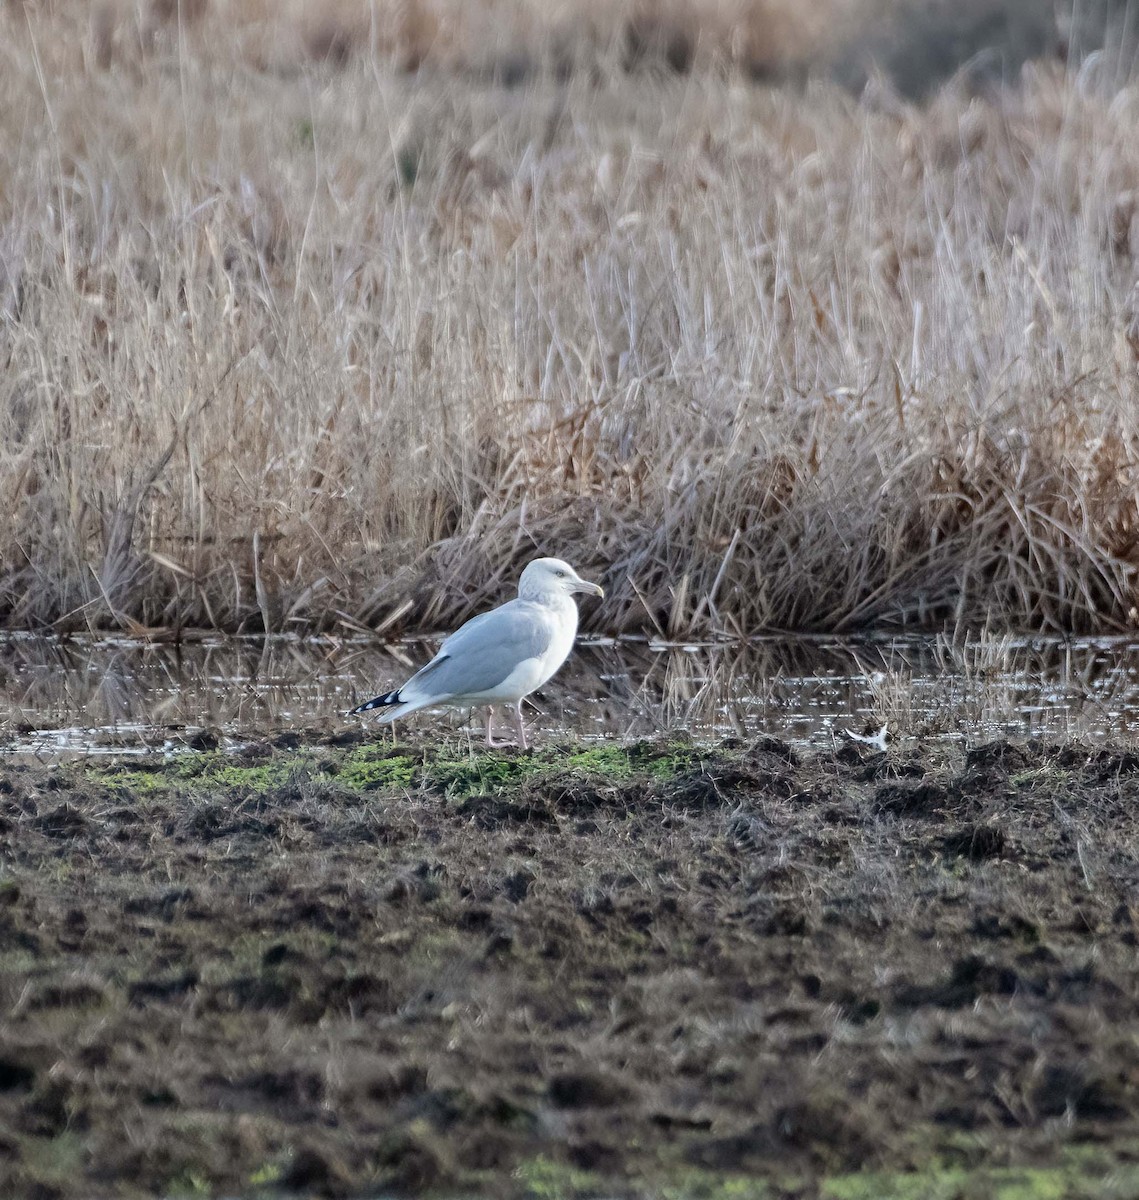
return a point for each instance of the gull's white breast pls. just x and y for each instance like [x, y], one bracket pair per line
[531, 673]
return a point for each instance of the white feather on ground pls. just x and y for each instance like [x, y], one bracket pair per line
[500, 656]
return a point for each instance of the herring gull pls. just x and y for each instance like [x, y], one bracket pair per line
[500, 656]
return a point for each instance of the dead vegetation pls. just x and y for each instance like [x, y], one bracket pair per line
[334, 323]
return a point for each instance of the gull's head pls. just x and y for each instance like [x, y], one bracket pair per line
[551, 577]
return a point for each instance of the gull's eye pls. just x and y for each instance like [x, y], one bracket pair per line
[560, 574]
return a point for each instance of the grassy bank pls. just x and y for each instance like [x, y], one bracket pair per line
[300, 338]
[657, 970]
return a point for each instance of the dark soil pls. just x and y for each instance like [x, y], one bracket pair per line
[344, 969]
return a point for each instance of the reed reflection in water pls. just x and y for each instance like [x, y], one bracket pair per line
[90, 694]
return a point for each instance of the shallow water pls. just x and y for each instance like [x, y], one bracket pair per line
[61, 697]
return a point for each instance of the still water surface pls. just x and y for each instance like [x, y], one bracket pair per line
[62, 697]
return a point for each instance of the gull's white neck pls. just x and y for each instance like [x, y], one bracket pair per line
[554, 598]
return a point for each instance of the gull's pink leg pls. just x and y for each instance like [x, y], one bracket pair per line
[521, 732]
[490, 730]
[518, 725]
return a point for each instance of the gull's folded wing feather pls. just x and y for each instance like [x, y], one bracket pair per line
[482, 653]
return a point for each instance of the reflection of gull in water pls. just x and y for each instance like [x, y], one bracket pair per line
[502, 655]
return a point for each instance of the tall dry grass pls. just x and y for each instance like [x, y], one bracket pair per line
[293, 338]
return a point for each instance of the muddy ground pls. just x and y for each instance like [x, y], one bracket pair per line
[335, 967]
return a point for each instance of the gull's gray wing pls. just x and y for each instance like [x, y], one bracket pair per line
[481, 654]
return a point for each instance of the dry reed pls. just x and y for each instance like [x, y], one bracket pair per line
[293, 338]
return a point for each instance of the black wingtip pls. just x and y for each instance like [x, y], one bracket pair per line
[384, 701]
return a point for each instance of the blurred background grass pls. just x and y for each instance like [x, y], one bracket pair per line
[769, 314]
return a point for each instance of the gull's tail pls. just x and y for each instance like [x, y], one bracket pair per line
[387, 700]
